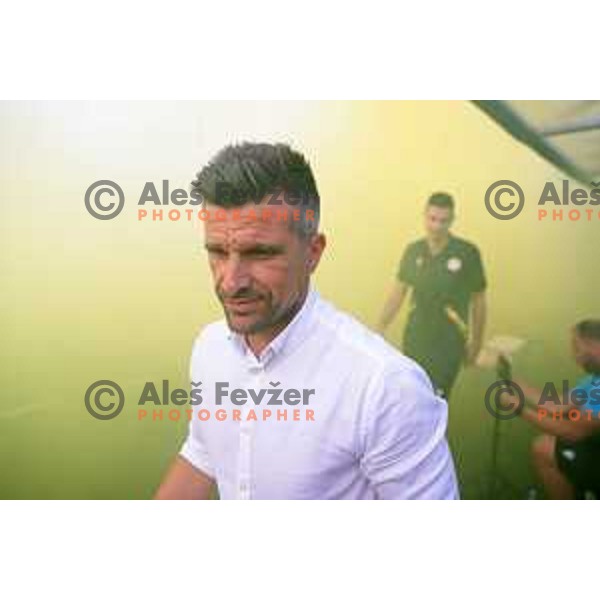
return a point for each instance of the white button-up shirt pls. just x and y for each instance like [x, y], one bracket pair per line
[377, 429]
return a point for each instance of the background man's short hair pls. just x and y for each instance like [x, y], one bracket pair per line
[589, 329]
[247, 172]
[441, 200]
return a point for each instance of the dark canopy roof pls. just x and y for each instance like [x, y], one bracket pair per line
[565, 132]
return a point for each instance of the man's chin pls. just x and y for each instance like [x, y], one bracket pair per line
[244, 324]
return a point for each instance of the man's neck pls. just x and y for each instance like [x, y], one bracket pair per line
[437, 245]
[258, 341]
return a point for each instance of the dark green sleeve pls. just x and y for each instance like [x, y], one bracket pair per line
[406, 268]
[476, 274]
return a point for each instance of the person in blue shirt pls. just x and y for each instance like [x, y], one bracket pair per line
[566, 457]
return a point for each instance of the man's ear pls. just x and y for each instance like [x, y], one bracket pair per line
[316, 246]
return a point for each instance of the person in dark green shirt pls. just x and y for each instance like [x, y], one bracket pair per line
[448, 309]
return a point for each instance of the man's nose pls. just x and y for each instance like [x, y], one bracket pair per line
[234, 275]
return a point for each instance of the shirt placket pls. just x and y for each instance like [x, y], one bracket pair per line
[245, 475]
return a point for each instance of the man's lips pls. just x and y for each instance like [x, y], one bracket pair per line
[241, 303]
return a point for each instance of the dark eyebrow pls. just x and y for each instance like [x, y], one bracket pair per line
[258, 248]
[212, 246]
[271, 249]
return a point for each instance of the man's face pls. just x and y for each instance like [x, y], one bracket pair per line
[586, 353]
[261, 269]
[438, 221]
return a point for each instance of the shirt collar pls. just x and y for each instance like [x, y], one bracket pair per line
[293, 333]
[449, 247]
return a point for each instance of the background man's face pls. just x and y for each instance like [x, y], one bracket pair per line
[586, 353]
[438, 221]
[260, 269]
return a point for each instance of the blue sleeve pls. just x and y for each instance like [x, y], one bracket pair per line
[591, 387]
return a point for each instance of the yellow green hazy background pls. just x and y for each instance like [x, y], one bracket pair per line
[84, 300]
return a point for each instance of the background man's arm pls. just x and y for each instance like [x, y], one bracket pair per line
[478, 318]
[185, 482]
[533, 396]
[543, 419]
[392, 306]
[531, 393]
[563, 427]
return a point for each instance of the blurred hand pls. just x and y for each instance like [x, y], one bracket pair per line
[471, 353]
[506, 400]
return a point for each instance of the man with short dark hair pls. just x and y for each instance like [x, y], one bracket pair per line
[566, 457]
[448, 307]
[369, 425]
